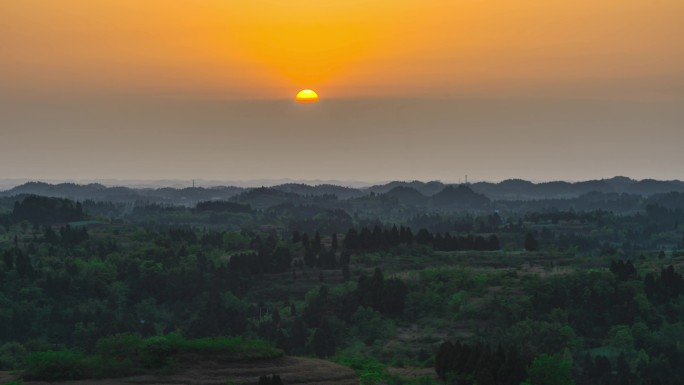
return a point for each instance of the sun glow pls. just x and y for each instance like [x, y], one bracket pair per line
[306, 96]
[264, 49]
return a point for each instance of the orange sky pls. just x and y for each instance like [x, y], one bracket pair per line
[351, 48]
[410, 89]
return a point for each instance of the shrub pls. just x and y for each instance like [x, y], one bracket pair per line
[235, 348]
[120, 346]
[128, 354]
[156, 352]
[370, 371]
[550, 370]
[55, 366]
[12, 356]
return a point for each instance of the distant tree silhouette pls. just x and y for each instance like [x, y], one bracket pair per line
[378, 239]
[386, 296]
[531, 243]
[270, 380]
[334, 244]
[480, 363]
[43, 210]
[223, 206]
[662, 288]
[8, 259]
[316, 245]
[623, 271]
[324, 340]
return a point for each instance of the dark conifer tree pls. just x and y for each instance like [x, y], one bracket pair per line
[531, 243]
[8, 259]
[310, 258]
[334, 244]
[298, 336]
[351, 240]
[494, 242]
[443, 359]
[305, 241]
[324, 340]
[393, 237]
[346, 275]
[424, 237]
[275, 380]
[316, 245]
[23, 264]
[345, 258]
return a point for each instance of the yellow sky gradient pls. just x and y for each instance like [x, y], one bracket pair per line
[268, 49]
[410, 89]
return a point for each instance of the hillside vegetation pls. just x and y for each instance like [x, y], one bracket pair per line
[457, 292]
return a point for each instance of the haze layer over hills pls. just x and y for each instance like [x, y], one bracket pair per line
[413, 192]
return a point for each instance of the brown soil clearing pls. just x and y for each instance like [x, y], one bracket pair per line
[212, 371]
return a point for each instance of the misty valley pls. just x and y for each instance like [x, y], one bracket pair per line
[413, 283]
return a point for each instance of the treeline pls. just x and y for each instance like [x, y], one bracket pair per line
[382, 239]
[464, 364]
[40, 210]
[358, 308]
[223, 206]
[467, 223]
[664, 287]
[660, 288]
[556, 216]
[633, 323]
[277, 260]
[600, 370]
[386, 296]
[594, 301]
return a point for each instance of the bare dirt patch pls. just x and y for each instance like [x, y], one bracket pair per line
[212, 371]
[411, 373]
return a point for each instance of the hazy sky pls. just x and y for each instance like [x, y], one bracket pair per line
[413, 89]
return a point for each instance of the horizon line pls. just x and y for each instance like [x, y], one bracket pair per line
[9, 183]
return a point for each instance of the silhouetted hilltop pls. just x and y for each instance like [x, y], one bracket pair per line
[619, 183]
[650, 187]
[461, 195]
[98, 192]
[671, 200]
[407, 195]
[517, 189]
[322, 189]
[412, 193]
[263, 197]
[425, 188]
[41, 188]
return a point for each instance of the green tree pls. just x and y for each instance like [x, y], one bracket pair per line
[369, 325]
[12, 356]
[235, 241]
[549, 370]
[620, 337]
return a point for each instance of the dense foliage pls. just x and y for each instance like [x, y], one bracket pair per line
[525, 293]
[127, 354]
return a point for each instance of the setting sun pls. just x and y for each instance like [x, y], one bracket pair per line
[306, 96]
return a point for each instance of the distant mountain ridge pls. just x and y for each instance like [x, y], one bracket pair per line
[518, 189]
[406, 192]
[99, 192]
[425, 188]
